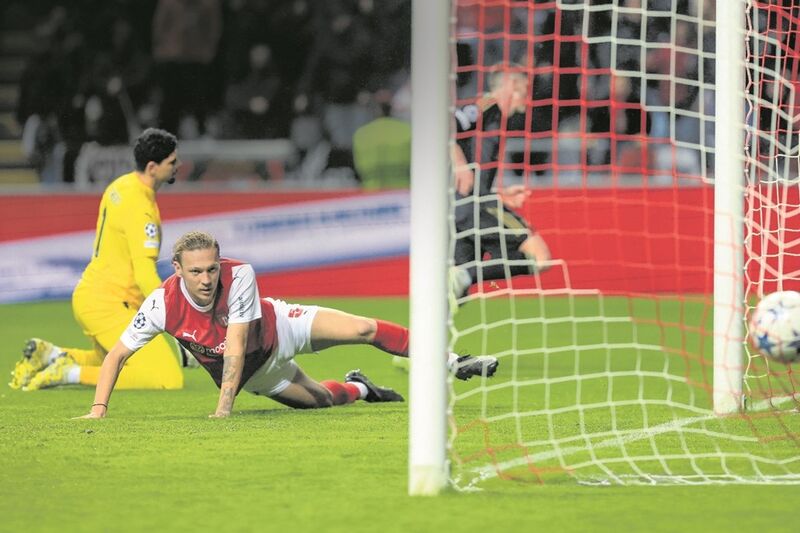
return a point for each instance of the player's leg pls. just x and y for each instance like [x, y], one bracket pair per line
[38, 354]
[502, 234]
[280, 378]
[460, 276]
[88, 313]
[285, 382]
[507, 236]
[305, 329]
[305, 393]
[331, 327]
[154, 366]
[302, 392]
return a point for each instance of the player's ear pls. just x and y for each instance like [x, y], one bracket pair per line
[177, 267]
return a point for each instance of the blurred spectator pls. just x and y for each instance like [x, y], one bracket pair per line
[39, 99]
[186, 35]
[619, 125]
[305, 70]
[120, 84]
[336, 75]
[382, 148]
[401, 100]
[250, 103]
[388, 24]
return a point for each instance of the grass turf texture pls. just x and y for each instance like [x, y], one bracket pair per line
[159, 463]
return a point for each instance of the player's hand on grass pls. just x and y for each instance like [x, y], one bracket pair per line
[89, 415]
[220, 414]
[98, 410]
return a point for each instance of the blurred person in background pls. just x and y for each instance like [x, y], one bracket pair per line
[121, 77]
[39, 104]
[252, 106]
[186, 36]
[477, 159]
[335, 77]
[620, 125]
[382, 148]
[121, 272]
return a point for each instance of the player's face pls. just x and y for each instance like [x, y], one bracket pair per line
[199, 270]
[166, 171]
[519, 94]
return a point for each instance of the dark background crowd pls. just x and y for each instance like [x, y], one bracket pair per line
[209, 68]
[316, 71]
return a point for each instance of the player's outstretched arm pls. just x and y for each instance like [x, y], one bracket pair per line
[109, 372]
[233, 364]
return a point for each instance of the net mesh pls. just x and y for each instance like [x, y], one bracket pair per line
[606, 349]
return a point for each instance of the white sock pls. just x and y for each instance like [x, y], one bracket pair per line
[74, 374]
[452, 360]
[362, 389]
[55, 352]
[464, 276]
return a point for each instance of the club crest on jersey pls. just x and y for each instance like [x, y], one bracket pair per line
[223, 319]
[151, 230]
[139, 320]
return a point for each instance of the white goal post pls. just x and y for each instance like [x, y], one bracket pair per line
[430, 166]
[729, 181]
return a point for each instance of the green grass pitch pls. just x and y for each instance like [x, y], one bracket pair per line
[159, 464]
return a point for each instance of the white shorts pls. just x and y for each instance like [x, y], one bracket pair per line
[293, 329]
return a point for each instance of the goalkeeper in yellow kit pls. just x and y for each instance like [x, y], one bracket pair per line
[120, 274]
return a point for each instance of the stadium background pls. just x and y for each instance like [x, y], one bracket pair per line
[275, 93]
[78, 79]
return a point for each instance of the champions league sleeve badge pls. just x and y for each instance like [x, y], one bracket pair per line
[151, 230]
[139, 320]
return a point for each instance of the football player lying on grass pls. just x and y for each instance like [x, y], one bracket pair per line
[212, 307]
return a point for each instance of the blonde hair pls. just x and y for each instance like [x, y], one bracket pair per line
[497, 76]
[193, 240]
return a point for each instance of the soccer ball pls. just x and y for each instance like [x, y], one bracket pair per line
[775, 326]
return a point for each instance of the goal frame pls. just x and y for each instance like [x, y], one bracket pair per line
[431, 111]
[729, 179]
[430, 168]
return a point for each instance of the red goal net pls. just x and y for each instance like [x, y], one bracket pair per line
[606, 348]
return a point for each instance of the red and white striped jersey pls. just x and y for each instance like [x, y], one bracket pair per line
[202, 330]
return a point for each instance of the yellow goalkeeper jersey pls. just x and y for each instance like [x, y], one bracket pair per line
[128, 229]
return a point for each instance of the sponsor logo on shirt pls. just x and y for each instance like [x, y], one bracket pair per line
[187, 335]
[215, 352]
